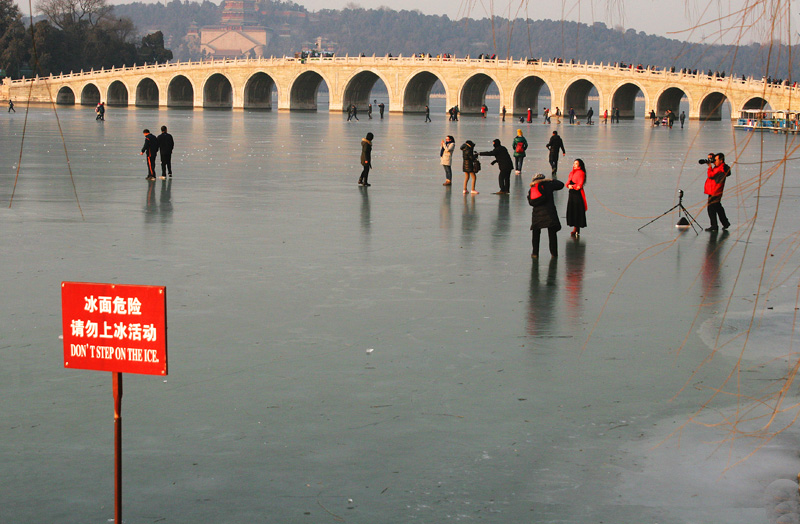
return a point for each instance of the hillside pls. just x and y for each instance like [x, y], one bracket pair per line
[381, 31]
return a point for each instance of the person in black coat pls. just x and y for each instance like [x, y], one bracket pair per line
[468, 165]
[554, 145]
[544, 213]
[503, 161]
[151, 148]
[366, 159]
[165, 144]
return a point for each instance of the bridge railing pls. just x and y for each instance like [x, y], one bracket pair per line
[524, 63]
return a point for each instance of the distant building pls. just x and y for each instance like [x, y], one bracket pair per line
[239, 35]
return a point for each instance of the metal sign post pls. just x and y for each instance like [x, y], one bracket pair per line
[116, 387]
[116, 328]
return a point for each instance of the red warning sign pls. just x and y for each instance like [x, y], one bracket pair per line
[114, 327]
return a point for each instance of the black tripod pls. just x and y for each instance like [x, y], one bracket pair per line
[682, 221]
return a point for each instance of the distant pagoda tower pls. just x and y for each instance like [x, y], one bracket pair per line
[239, 35]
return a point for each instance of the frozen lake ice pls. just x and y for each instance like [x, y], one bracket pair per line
[392, 354]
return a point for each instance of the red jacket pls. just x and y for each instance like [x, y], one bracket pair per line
[576, 179]
[715, 183]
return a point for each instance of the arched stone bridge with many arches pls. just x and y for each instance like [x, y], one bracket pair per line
[250, 83]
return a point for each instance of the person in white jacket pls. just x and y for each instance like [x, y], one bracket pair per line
[448, 146]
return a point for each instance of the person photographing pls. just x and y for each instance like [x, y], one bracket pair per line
[717, 172]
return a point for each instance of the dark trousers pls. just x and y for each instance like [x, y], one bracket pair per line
[715, 209]
[554, 164]
[504, 179]
[518, 160]
[364, 174]
[166, 164]
[537, 235]
[151, 166]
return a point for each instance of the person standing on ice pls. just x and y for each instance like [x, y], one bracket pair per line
[366, 159]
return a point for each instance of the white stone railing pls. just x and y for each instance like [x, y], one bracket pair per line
[536, 64]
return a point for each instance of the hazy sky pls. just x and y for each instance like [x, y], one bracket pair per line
[670, 18]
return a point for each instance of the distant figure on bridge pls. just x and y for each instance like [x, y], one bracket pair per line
[11, 106]
[381, 106]
[165, 145]
[483, 111]
[589, 115]
[530, 114]
[519, 145]
[349, 113]
[455, 112]
[653, 118]
[369, 111]
[553, 146]
[355, 112]
[605, 116]
[100, 110]
[571, 115]
[150, 147]
[682, 118]
[366, 159]
[427, 114]
[504, 113]
[617, 114]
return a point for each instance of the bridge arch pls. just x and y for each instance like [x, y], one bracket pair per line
[756, 102]
[623, 98]
[117, 94]
[258, 91]
[304, 90]
[473, 92]
[65, 96]
[670, 98]
[711, 105]
[417, 90]
[147, 93]
[576, 96]
[180, 92]
[90, 95]
[218, 91]
[359, 87]
[526, 94]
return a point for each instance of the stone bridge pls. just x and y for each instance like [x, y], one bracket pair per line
[249, 84]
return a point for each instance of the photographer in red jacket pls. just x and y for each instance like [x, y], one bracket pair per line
[715, 185]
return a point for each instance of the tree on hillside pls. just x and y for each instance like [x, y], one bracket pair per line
[152, 49]
[67, 13]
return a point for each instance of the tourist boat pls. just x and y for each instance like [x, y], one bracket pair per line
[762, 120]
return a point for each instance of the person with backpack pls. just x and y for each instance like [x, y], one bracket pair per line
[519, 145]
[470, 164]
[544, 214]
[554, 145]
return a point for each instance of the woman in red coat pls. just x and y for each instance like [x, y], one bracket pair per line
[576, 205]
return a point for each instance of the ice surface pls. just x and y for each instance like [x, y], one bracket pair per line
[500, 388]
